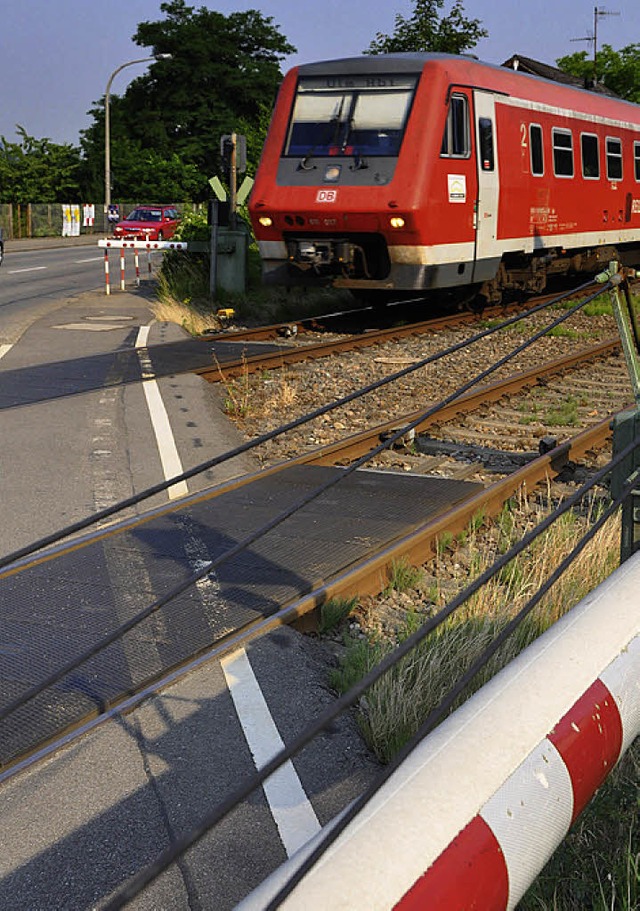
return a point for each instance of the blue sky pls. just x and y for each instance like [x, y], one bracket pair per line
[57, 55]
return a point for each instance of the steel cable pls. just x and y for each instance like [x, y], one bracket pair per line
[148, 492]
[183, 843]
[445, 705]
[246, 542]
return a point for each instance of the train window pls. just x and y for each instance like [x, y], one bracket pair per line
[485, 143]
[636, 159]
[456, 141]
[614, 158]
[590, 156]
[353, 117]
[562, 152]
[535, 146]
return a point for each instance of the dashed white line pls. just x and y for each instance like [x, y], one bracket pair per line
[291, 809]
[169, 457]
[31, 269]
[93, 259]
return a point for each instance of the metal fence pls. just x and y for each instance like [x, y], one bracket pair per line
[25, 220]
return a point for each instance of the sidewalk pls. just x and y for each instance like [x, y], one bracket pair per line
[46, 243]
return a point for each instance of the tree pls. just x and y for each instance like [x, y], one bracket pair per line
[618, 70]
[223, 72]
[38, 170]
[427, 30]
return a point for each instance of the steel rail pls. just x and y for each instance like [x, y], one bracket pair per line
[332, 453]
[352, 446]
[271, 360]
[367, 576]
[323, 323]
[297, 354]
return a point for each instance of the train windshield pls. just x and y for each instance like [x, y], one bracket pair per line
[353, 116]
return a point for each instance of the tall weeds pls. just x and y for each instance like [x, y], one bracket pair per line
[395, 706]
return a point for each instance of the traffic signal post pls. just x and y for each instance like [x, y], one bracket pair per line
[229, 234]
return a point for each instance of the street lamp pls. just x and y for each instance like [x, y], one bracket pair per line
[107, 125]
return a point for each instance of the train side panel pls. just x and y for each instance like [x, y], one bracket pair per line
[580, 208]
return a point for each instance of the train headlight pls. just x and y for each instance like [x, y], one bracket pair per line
[265, 221]
[397, 221]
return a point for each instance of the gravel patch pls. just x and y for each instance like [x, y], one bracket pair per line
[277, 397]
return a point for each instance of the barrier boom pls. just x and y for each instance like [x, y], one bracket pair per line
[150, 246]
[473, 814]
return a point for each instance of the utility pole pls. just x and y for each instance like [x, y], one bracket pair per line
[598, 13]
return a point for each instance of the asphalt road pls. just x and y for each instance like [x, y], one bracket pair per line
[35, 280]
[77, 825]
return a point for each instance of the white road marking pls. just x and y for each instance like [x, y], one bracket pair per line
[31, 269]
[171, 464]
[93, 259]
[108, 319]
[89, 327]
[5, 349]
[291, 809]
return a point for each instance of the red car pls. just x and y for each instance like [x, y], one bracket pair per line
[149, 223]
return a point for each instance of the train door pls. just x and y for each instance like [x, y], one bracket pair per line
[487, 254]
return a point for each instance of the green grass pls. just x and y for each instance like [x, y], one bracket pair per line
[403, 576]
[601, 306]
[399, 701]
[563, 332]
[563, 415]
[361, 655]
[444, 543]
[598, 863]
[334, 611]
[184, 282]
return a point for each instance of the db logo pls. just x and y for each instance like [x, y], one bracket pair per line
[327, 196]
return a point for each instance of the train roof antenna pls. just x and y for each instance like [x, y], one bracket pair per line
[598, 13]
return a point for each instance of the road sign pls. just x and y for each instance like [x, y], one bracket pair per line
[217, 187]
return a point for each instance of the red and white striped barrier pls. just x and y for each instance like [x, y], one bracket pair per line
[150, 246]
[474, 813]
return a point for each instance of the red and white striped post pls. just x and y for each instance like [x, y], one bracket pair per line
[122, 281]
[136, 260]
[106, 272]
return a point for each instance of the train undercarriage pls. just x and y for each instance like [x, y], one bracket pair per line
[522, 274]
[362, 260]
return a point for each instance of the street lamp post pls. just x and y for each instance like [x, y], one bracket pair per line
[107, 125]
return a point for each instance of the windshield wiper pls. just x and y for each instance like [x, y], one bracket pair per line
[359, 162]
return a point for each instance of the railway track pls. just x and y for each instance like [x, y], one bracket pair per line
[477, 402]
[355, 332]
[451, 455]
[367, 575]
[456, 449]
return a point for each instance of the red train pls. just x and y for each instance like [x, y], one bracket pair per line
[419, 172]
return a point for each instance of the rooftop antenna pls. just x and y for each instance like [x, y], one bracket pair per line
[598, 13]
